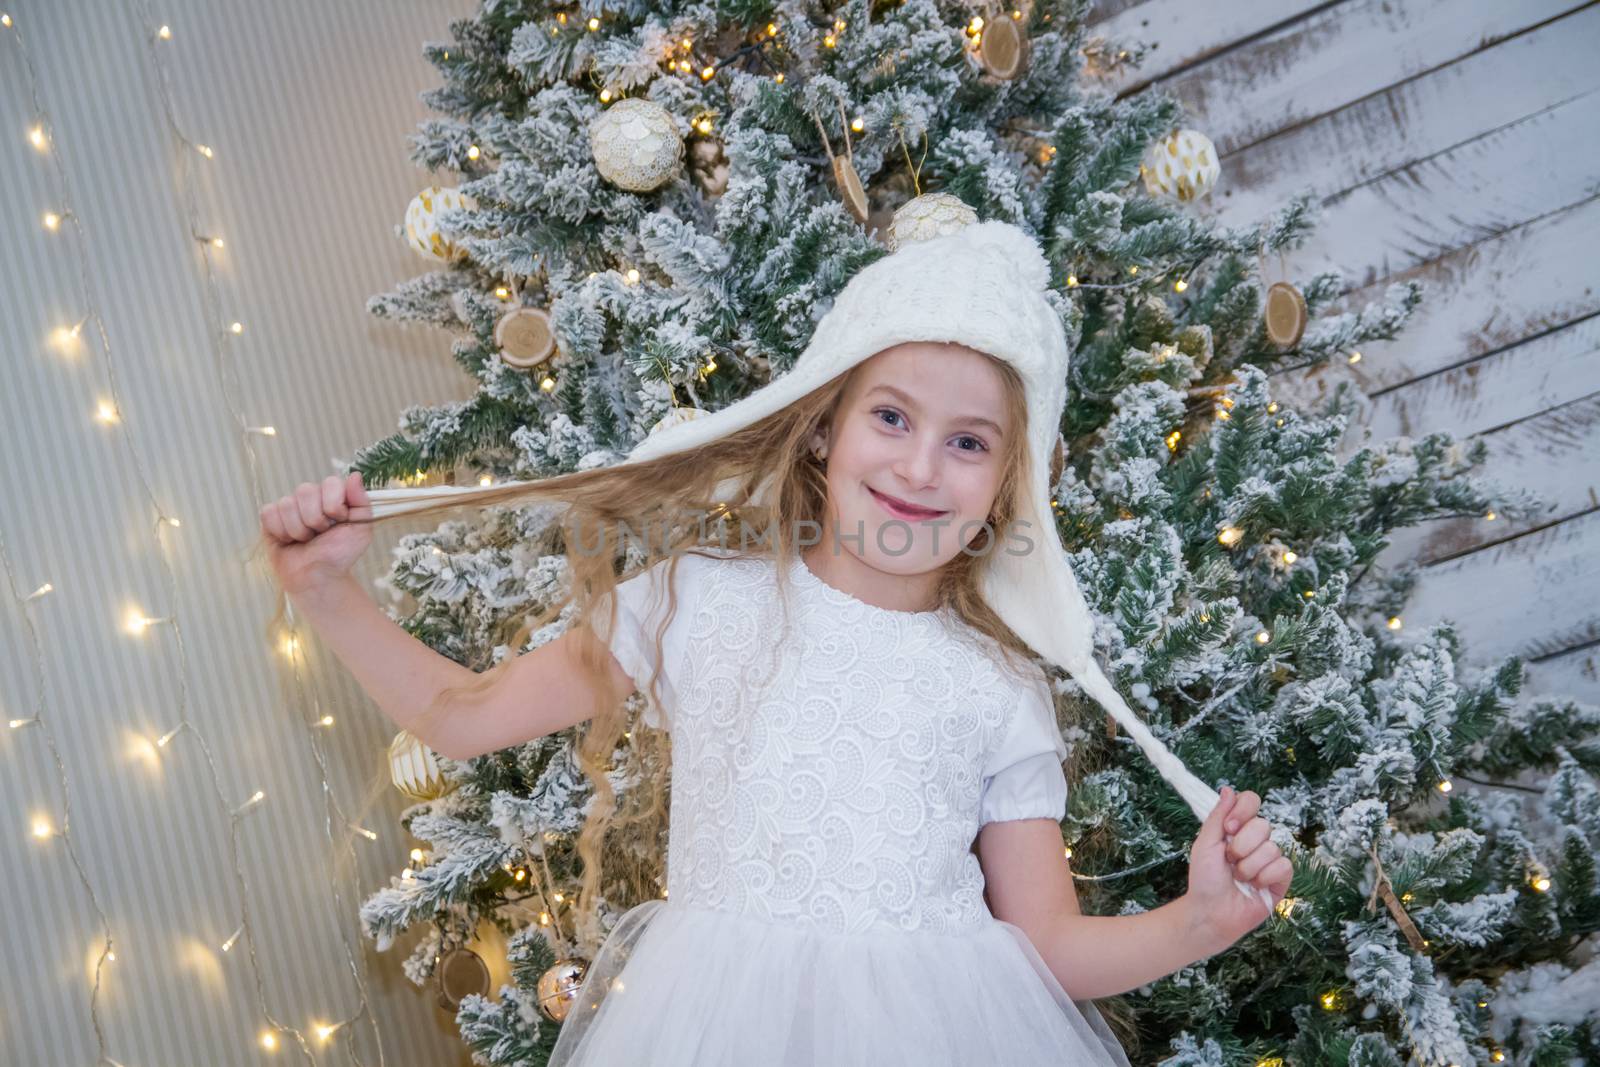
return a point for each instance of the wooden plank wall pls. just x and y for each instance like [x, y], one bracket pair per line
[1453, 142]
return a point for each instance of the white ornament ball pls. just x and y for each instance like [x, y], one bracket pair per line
[1181, 166]
[415, 770]
[929, 215]
[422, 217]
[636, 145]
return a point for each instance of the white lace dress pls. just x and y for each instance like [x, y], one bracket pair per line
[824, 906]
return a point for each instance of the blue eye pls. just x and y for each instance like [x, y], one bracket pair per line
[964, 437]
[968, 437]
[886, 411]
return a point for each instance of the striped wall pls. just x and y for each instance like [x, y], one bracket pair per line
[307, 108]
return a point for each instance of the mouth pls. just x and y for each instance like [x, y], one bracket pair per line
[902, 510]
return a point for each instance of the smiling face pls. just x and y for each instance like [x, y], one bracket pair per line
[915, 455]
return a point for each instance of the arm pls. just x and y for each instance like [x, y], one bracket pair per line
[539, 693]
[1029, 883]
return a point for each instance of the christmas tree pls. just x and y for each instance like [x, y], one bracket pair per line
[657, 203]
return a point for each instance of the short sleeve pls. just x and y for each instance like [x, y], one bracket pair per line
[642, 602]
[1023, 776]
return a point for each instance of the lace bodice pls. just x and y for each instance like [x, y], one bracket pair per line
[832, 764]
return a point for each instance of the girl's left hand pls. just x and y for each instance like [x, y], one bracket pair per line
[1234, 843]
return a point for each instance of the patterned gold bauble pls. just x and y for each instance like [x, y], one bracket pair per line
[558, 987]
[1181, 166]
[524, 337]
[421, 225]
[414, 769]
[460, 973]
[1286, 314]
[929, 215]
[636, 145]
[683, 413]
[1003, 49]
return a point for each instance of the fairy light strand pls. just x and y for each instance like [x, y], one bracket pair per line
[112, 414]
[219, 335]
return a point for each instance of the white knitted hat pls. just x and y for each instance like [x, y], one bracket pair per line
[982, 286]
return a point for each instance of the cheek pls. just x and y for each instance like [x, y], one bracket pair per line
[973, 487]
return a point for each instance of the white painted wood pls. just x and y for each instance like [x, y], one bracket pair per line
[1416, 119]
[1338, 55]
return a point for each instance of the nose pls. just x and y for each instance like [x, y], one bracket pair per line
[918, 463]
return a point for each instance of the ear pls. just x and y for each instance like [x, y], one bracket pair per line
[819, 441]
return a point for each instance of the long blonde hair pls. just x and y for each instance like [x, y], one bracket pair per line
[654, 494]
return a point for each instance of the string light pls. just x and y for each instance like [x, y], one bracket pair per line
[1445, 786]
[1394, 622]
[1230, 535]
[109, 412]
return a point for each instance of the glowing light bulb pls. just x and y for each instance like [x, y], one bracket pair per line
[237, 327]
[594, 24]
[1263, 637]
[828, 41]
[1445, 786]
[1394, 622]
[52, 221]
[205, 150]
[37, 138]
[472, 152]
[105, 412]
[216, 242]
[269, 1040]
[416, 855]
[1290, 556]
[708, 73]
[858, 124]
[547, 384]
[228, 944]
[1180, 285]
[633, 275]
[42, 828]
[486, 480]
[165, 32]
[703, 125]
[1540, 883]
[502, 292]
[1230, 535]
[1355, 357]
[1072, 281]
[605, 96]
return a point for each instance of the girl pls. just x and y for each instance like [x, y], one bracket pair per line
[865, 862]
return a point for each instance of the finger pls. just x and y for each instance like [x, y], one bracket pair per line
[1210, 834]
[289, 517]
[308, 499]
[272, 524]
[1249, 803]
[1256, 862]
[1244, 842]
[1278, 875]
[333, 498]
[356, 496]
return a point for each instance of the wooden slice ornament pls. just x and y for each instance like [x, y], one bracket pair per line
[1285, 314]
[524, 337]
[1003, 47]
[460, 973]
[851, 191]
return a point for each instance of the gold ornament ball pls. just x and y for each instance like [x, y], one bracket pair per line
[558, 987]
[926, 216]
[636, 145]
[414, 769]
[1181, 166]
[422, 221]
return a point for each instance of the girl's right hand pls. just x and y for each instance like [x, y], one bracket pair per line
[309, 534]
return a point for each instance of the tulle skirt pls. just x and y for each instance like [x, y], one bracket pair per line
[677, 985]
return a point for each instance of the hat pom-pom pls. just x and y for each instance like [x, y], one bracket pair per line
[1016, 247]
